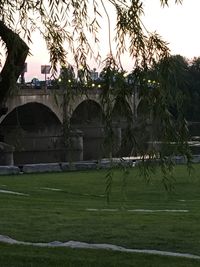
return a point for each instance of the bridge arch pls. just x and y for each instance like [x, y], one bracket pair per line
[88, 118]
[122, 111]
[35, 132]
[43, 99]
[84, 99]
[88, 112]
[30, 113]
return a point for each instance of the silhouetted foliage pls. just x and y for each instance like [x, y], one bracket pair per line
[72, 27]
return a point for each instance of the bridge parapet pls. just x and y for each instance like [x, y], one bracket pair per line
[53, 99]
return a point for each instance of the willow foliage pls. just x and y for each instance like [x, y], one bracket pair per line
[73, 26]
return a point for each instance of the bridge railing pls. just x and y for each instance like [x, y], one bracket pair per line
[25, 90]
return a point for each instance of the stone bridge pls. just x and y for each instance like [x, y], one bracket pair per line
[33, 125]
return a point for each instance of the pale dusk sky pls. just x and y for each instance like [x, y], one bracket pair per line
[177, 24]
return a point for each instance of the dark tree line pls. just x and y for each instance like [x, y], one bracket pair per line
[182, 78]
[193, 100]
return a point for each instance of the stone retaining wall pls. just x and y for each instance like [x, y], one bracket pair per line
[80, 166]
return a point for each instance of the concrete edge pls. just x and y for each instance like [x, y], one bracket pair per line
[81, 165]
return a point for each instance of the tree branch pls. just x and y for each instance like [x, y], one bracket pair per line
[17, 51]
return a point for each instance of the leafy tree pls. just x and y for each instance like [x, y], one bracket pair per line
[169, 95]
[74, 26]
[193, 113]
[68, 25]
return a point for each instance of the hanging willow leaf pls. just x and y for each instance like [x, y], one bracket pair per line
[72, 28]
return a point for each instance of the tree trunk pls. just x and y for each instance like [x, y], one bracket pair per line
[17, 51]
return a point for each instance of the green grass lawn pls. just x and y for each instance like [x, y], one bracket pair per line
[79, 212]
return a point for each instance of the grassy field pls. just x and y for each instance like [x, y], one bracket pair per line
[72, 206]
